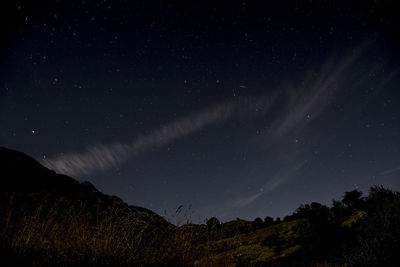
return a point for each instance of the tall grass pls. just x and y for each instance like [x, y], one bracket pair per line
[78, 234]
[67, 232]
[64, 231]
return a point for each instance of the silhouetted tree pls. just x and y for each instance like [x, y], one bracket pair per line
[318, 234]
[268, 221]
[213, 224]
[213, 227]
[379, 236]
[352, 200]
[257, 224]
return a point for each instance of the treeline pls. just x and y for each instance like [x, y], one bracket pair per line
[357, 230]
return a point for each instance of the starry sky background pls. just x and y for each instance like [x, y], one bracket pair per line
[240, 109]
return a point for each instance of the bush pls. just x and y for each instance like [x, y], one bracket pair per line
[257, 224]
[379, 235]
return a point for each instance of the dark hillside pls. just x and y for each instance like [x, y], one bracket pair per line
[49, 219]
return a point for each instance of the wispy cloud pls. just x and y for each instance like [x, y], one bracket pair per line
[281, 177]
[303, 103]
[306, 101]
[390, 171]
[101, 157]
[245, 201]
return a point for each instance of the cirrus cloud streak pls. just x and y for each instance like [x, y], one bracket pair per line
[102, 157]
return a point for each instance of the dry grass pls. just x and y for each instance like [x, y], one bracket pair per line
[63, 234]
[76, 235]
[66, 232]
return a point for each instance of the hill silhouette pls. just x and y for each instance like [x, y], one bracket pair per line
[48, 219]
[24, 175]
[40, 208]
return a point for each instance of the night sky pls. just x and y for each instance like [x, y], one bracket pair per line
[238, 109]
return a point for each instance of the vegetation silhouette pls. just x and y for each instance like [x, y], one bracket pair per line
[48, 219]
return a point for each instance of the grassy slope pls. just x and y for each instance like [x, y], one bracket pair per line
[267, 244]
[49, 219]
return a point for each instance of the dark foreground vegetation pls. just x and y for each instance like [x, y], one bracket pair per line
[48, 219]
